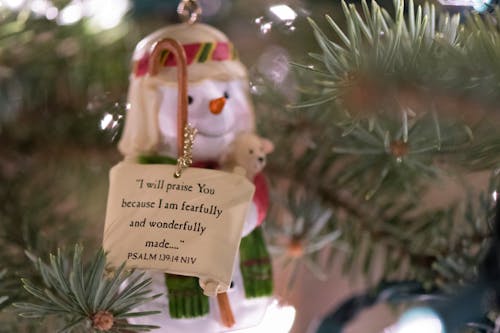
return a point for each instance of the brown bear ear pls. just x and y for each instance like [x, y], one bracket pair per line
[267, 145]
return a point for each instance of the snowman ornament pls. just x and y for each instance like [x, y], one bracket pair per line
[220, 109]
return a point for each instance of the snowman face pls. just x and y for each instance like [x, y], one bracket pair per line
[217, 109]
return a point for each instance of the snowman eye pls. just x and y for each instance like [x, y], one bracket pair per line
[226, 95]
[190, 100]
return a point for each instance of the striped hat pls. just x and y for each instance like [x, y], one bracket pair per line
[209, 53]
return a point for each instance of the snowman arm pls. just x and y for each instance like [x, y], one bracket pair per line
[255, 261]
[255, 265]
[185, 297]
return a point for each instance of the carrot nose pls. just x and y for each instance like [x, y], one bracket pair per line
[216, 105]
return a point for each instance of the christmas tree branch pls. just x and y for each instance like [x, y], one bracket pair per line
[5, 289]
[398, 230]
[400, 91]
[86, 295]
[300, 231]
[389, 127]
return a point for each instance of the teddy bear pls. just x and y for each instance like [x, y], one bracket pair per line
[248, 151]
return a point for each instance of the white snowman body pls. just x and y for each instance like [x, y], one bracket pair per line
[219, 108]
[247, 312]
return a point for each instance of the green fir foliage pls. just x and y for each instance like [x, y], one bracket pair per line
[5, 289]
[398, 88]
[308, 235]
[389, 107]
[78, 293]
[185, 297]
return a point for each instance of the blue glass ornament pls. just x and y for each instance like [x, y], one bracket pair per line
[483, 6]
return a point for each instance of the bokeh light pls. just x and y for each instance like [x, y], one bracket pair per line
[274, 64]
[102, 15]
[419, 320]
[40, 7]
[108, 14]
[13, 4]
[210, 7]
[283, 12]
[70, 14]
[281, 16]
[51, 13]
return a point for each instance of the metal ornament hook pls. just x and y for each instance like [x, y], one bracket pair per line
[189, 11]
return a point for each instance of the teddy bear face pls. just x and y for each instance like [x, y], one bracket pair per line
[252, 156]
[249, 152]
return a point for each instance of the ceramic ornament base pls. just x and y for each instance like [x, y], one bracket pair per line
[257, 315]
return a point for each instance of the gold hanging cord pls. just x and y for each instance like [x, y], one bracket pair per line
[185, 133]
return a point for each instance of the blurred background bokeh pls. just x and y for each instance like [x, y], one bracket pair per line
[64, 68]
